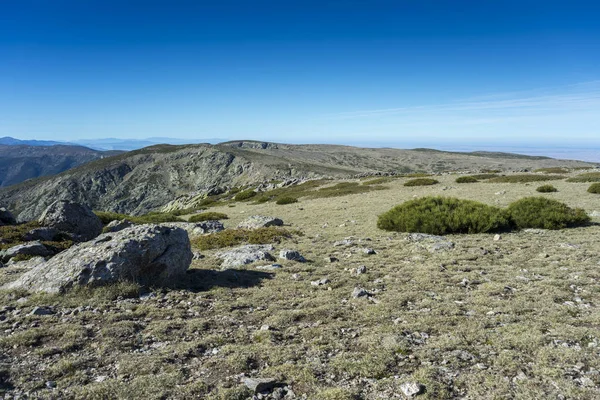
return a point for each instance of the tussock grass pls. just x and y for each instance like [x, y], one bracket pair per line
[540, 212]
[208, 216]
[546, 189]
[421, 182]
[586, 177]
[525, 178]
[235, 237]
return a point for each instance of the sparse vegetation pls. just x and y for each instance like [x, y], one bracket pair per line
[540, 212]
[484, 176]
[552, 170]
[421, 182]
[594, 188]
[343, 189]
[151, 218]
[378, 181]
[286, 200]
[235, 237]
[443, 215]
[546, 189]
[208, 216]
[586, 177]
[466, 179]
[525, 178]
[245, 195]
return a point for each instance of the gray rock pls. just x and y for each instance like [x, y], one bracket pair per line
[197, 228]
[320, 282]
[369, 251]
[260, 221]
[433, 243]
[271, 267]
[331, 259]
[412, 389]
[497, 237]
[535, 231]
[6, 217]
[345, 242]
[594, 214]
[26, 249]
[359, 292]
[361, 270]
[197, 256]
[259, 385]
[148, 254]
[29, 264]
[73, 218]
[245, 255]
[42, 311]
[117, 225]
[292, 255]
[46, 234]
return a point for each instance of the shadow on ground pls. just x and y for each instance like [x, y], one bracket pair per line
[198, 280]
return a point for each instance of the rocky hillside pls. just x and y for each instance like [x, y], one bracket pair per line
[140, 181]
[21, 162]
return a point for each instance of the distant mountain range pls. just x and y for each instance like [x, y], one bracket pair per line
[109, 143]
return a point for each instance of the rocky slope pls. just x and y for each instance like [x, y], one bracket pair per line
[146, 179]
[21, 162]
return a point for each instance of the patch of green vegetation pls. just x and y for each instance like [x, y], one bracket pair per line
[151, 218]
[208, 216]
[586, 178]
[485, 176]
[235, 237]
[12, 235]
[466, 179]
[343, 189]
[525, 178]
[552, 170]
[416, 175]
[443, 215]
[546, 189]
[286, 200]
[543, 213]
[421, 182]
[594, 188]
[245, 195]
[378, 181]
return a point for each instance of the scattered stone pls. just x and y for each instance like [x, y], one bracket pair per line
[361, 270]
[412, 389]
[197, 256]
[265, 328]
[320, 282]
[535, 231]
[292, 255]
[594, 214]
[497, 237]
[345, 242]
[369, 251]
[50, 384]
[42, 311]
[259, 385]
[206, 227]
[331, 259]
[434, 243]
[6, 217]
[360, 292]
[26, 249]
[246, 254]
[73, 218]
[148, 254]
[45, 234]
[260, 221]
[116, 225]
[271, 267]
[22, 300]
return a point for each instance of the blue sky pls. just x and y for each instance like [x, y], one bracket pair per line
[405, 73]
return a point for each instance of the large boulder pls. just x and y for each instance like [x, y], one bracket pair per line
[29, 249]
[73, 218]
[259, 221]
[147, 254]
[6, 217]
[45, 234]
[246, 254]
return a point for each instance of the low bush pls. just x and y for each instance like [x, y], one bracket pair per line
[586, 178]
[594, 188]
[466, 179]
[552, 170]
[234, 237]
[543, 213]
[546, 189]
[343, 189]
[525, 178]
[244, 195]
[286, 200]
[443, 215]
[485, 176]
[207, 216]
[377, 181]
[421, 182]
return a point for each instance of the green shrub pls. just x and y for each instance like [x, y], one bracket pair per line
[443, 215]
[245, 195]
[207, 216]
[286, 200]
[552, 170]
[343, 189]
[594, 188]
[525, 178]
[484, 176]
[234, 237]
[466, 179]
[586, 178]
[421, 182]
[546, 189]
[377, 181]
[540, 212]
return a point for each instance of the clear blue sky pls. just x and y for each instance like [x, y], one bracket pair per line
[413, 72]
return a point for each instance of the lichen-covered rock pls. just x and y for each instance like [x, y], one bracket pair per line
[73, 218]
[292, 255]
[26, 249]
[6, 217]
[432, 243]
[260, 221]
[117, 225]
[46, 234]
[147, 254]
[245, 255]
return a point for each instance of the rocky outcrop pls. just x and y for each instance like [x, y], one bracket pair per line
[245, 255]
[46, 234]
[6, 217]
[260, 221]
[198, 228]
[117, 225]
[147, 254]
[76, 219]
[25, 249]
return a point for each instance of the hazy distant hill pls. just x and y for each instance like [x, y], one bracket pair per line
[20, 162]
[142, 180]
[10, 141]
